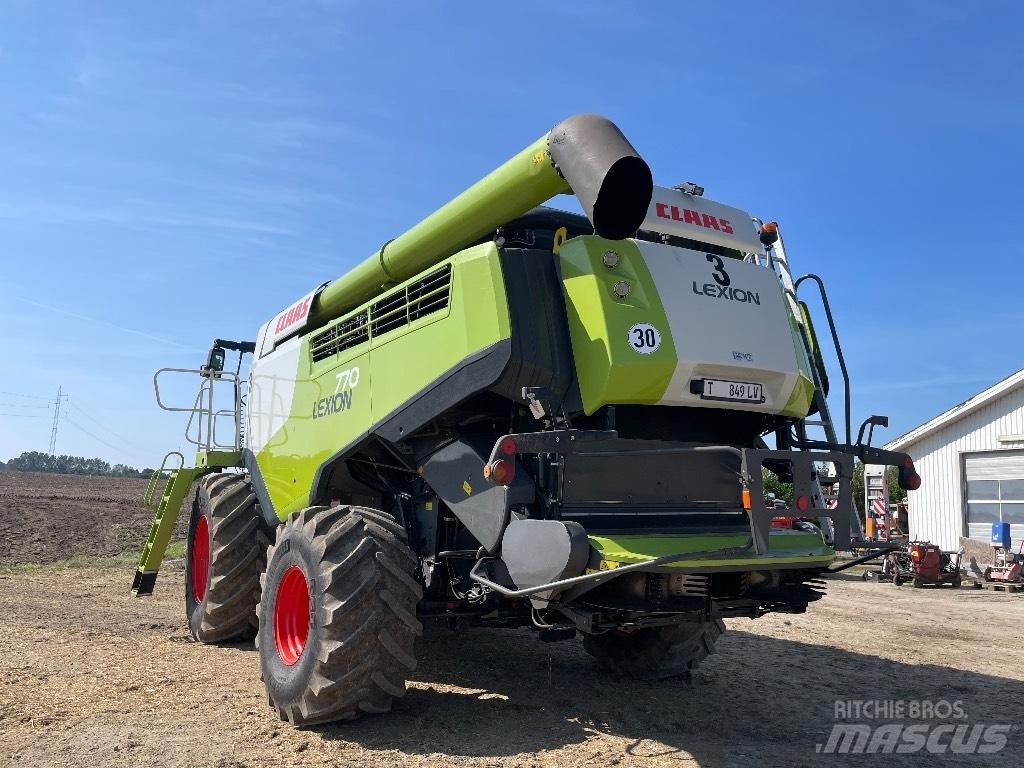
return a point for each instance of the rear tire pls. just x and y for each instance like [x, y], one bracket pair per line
[337, 615]
[656, 653]
[227, 545]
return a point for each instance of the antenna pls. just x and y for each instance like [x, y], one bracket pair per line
[56, 421]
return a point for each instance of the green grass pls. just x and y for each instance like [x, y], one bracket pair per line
[175, 551]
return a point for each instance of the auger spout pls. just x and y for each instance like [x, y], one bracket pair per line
[585, 154]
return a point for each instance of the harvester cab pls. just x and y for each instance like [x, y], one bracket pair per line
[512, 415]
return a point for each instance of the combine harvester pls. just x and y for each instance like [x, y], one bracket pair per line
[516, 416]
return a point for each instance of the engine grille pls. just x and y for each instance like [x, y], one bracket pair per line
[424, 297]
[344, 335]
[416, 300]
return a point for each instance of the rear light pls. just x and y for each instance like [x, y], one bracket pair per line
[500, 472]
[508, 447]
[802, 503]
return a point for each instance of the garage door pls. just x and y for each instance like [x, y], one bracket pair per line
[995, 493]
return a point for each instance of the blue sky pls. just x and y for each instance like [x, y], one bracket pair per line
[174, 172]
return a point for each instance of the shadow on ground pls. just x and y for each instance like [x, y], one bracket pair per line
[761, 701]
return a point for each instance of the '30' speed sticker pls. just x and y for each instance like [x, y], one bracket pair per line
[644, 338]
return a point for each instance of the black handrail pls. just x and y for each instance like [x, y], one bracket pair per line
[835, 342]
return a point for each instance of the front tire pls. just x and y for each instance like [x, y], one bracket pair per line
[656, 653]
[337, 615]
[227, 545]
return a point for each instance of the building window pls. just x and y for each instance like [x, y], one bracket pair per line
[983, 490]
[982, 513]
[994, 501]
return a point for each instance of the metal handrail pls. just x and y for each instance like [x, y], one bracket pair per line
[202, 407]
[835, 341]
[599, 576]
[235, 443]
[154, 479]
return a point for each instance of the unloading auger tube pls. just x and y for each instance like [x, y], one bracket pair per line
[584, 154]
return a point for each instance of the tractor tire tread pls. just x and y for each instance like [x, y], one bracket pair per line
[238, 546]
[366, 617]
[656, 653]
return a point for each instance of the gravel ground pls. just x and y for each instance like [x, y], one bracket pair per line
[90, 676]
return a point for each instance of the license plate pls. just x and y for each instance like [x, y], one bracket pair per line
[740, 391]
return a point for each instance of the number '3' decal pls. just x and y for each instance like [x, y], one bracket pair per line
[720, 275]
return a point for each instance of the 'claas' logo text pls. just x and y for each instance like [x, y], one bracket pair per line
[696, 218]
[291, 316]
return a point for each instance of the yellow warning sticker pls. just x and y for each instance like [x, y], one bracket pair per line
[560, 236]
[467, 487]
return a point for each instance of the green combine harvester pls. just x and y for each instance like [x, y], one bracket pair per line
[516, 416]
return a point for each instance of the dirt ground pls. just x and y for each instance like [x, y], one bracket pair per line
[90, 676]
[70, 515]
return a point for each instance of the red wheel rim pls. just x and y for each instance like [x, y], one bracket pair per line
[291, 615]
[200, 558]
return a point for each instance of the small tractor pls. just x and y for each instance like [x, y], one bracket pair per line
[516, 416]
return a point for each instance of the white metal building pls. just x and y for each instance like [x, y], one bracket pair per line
[971, 462]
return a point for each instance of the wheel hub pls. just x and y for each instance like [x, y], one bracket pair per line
[291, 615]
[200, 558]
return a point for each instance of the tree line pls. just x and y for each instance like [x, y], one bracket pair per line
[36, 461]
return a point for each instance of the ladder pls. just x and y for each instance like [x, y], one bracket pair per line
[827, 486]
[172, 484]
[169, 485]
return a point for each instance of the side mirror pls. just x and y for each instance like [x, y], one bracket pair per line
[215, 361]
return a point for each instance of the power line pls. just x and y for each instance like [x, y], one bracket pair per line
[19, 394]
[18, 405]
[74, 404]
[23, 415]
[98, 439]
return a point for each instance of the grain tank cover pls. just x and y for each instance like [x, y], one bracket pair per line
[672, 326]
[676, 213]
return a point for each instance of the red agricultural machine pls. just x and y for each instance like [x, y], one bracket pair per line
[921, 563]
[1008, 567]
